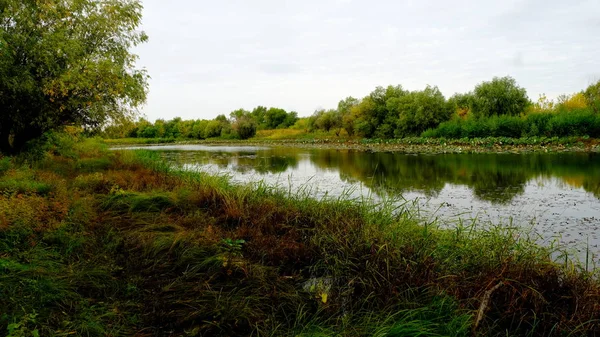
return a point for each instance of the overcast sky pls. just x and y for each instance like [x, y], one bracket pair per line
[211, 57]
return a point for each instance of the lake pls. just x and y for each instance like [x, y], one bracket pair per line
[556, 195]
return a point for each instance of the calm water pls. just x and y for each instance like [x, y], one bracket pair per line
[556, 195]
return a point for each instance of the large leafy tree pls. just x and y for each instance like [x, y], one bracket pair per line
[420, 110]
[500, 96]
[67, 62]
[243, 124]
[274, 117]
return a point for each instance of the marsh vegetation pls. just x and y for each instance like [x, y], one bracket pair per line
[99, 242]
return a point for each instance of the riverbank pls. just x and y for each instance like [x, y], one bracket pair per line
[97, 242]
[406, 145]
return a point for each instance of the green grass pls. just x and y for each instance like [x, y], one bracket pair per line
[123, 244]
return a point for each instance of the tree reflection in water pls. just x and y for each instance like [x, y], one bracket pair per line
[497, 178]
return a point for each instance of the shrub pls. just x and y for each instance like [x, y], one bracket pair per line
[506, 126]
[580, 122]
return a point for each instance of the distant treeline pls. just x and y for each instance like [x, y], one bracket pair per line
[498, 108]
[241, 124]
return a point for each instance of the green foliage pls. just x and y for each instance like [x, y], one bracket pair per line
[259, 115]
[419, 111]
[374, 119]
[346, 109]
[592, 96]
[497, 108]
[21, 329]
[441, 317]
[123, 201]
[5, 164]
[325, 120]
[93, 164]
[274, 117]
[500, 96]
[67, 63]
[581, 122]
[213, 129]
[21, 186]
[243, 124]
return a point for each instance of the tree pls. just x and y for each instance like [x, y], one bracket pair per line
[243, 124]
[259, 114]
[345, 109]
[500, 96]
[274, 117]
[372, 117]
[592, 96]
[173, 128]
[420, 110]
[290, 119]
[213, 129]
[67, 63]
[327, 119]
[219, 127]
[461, 104]
[572, 102]
[199, 128]
[159, 125]
[362, 119]
[237, 114]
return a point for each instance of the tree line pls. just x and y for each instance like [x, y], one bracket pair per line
[241, 124]
[499, 107]
[492, 106]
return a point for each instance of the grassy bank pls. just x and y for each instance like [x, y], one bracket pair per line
[406, 145]
[96, 243]
[143, 141]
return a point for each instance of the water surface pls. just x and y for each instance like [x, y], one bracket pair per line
[555, 195]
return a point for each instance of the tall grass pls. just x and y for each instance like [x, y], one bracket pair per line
[129, 245]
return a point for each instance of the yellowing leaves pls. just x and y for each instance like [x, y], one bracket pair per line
[324, 298]
[462, 112]
[320, 288]
[575, 101]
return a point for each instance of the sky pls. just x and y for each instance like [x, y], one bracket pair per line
[207, 58]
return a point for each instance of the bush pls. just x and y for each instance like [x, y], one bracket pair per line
[506, 126]
[538, 124]
[578, 123]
